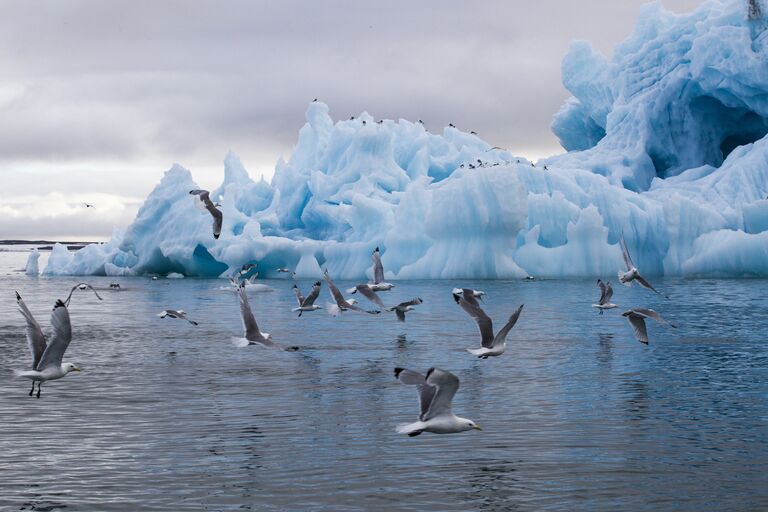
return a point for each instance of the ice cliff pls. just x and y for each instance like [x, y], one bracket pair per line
[666, 143]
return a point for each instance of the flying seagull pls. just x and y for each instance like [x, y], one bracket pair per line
[632, 274]
[637, 318]
[478, 294]
[342, 304]
[252, 332]
[88, 205]
[401, 308]
[436, 392]
[81, 286]
[204, 203]
[491, 345]
[46, 358]
[379, 285]
[366, 290]
[606, 292]
[307, 303]
[173, 313]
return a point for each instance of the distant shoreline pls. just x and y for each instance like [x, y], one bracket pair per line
[47, 245]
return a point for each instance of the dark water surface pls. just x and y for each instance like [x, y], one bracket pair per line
[576, 415]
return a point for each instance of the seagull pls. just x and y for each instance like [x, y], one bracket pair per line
[80, 286]
[366, 290]
[342, 304]
[546, 168]
[284, 270]
[116, 286]
[473, 133]
[436, 392]
[491, 345]
[478, 294]
[606, 292]
[246, 268]
[451, 125]
[252, 332]
[88, 205]
[308, 303]
[176, 314]
[637, 318]
[632, 274]
[401, 308]
[314, 100]
[378, 285]
[204, 203]
[46, 359]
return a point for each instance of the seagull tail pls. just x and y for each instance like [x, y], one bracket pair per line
[479, 352]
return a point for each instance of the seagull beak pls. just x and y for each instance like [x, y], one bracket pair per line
[477, 427]
[76, 370]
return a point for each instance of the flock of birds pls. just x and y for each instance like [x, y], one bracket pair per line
[435, 389]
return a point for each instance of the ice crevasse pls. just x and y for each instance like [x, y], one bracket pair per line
[666, 143]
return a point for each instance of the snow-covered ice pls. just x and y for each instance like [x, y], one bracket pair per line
[666, 143]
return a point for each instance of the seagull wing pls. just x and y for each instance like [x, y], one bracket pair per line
[400, 315]
[378, 268]
[369, 294]
[78, 285]
[426, 391]
[299, 296]
[645, 284]
[62, 335]
[638, 324]
[484, 322]
[502, 334]
[313, 295]
[649, 313]
[335, 293]
[252, 332]
[35, 336]
[603, 289]
[447, 384]
[413, 302]
[625, 253]
[469, 296]
[608, 294]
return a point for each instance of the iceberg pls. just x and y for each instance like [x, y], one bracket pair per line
[32, 267]
[665, 143]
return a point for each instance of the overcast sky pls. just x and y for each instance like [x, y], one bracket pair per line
[98, 98]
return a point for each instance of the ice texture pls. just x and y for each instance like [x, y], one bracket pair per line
[666, 143]
[32, 268]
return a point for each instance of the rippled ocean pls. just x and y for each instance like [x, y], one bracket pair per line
[577, 415]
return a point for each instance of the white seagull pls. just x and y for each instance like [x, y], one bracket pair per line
[637, 318]
[632, 274]
[491, 345]
[606, 292]
[252, 332]
[203, 201]
[436, 392]
[342, 304]
[401, 308]
[307, 303]
[173, 313]
[81, 286]
[478, 294]
[46, 358]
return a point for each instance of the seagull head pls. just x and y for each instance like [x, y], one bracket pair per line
[469, 424]
[69, 367]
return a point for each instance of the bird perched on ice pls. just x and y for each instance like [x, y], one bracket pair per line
[637, 318]
[307, 303]
[342, 304]
[47, 358]
[403, 307]
[632, 274]
[606, 292]
[490, 345]
[174, 313]
[203, 202]
[253, 334]
[436, 392]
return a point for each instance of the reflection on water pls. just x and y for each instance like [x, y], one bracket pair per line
[577, 415]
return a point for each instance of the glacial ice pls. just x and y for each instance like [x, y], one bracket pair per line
[32, 268]
[666, 143]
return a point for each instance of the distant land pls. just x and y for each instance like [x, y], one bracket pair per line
[47, 245]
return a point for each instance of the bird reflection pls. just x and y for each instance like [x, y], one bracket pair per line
[494, 486]
[605, 352]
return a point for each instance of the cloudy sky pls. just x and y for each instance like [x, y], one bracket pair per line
[99, 98]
